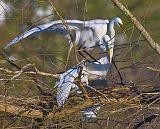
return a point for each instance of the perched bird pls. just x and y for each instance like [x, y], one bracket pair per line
[83, 33]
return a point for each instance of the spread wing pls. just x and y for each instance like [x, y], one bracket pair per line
[65, 84]
[57, 27]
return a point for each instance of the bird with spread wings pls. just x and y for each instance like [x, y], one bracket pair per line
[88, 34]
[85, 34]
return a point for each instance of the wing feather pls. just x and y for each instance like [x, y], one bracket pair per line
[65, 84]
[57, 27]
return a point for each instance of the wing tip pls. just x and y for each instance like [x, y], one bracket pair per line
[8, 45]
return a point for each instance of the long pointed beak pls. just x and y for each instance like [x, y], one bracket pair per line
[109, 55]
[122, 28]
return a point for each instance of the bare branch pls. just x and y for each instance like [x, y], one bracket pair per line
[133, 19]
[153, 69]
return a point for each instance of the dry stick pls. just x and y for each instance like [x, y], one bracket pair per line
[100, 93]
[36, 71]
[81, 86]
[19, 68]
[153, 69]
[68, 30]
[133, 19]
[148, 119]
[34, 79]
[22, 70]
[120, 76]
[14, 109]
[34, 113]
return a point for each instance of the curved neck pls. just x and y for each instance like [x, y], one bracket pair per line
[112, 31]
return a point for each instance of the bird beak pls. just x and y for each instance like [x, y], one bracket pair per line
[122, 28]
[109, 55]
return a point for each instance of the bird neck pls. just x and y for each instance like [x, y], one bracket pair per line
[78, 35]
[112, 31]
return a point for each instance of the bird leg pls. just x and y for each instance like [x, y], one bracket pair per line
[87, 54]
[120, 76]
[83, 55]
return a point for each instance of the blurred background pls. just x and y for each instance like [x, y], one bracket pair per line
[48, 52]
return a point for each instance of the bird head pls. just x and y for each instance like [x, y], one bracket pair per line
[119, 22]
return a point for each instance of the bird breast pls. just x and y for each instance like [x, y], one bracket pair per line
[87, 38]
[100, 30]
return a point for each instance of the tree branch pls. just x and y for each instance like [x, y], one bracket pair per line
[133, 19]
[29, 112]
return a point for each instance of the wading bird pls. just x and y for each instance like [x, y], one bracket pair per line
[86, 34]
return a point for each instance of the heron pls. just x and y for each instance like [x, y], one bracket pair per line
[81, 33]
